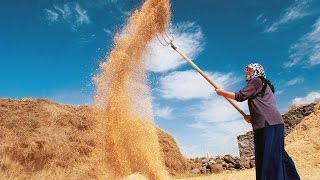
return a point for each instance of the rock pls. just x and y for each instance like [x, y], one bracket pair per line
[224, 164]
[208, 168]
[245, 144]
[245, 162]
[197, 160]
[230, 165]
[229, 159]
[219, 160]
[216, 168]
[252, 163]
[196, 171]
[203, 170]
[237, 165]
[211, 161]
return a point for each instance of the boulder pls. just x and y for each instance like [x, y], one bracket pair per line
[216, 168]
[229, 159]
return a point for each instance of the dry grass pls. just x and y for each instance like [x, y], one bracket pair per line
[41, 139]
[45, 140]
[303, 144]
[248, 174]
[176, 163]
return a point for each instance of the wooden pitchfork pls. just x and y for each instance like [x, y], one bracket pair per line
[166, 40]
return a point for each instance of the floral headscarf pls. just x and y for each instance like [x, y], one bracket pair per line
[258, 71]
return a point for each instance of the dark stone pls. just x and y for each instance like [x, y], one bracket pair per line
[229, 159]
[216, 168]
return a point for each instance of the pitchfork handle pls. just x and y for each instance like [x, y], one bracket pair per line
[206, 77]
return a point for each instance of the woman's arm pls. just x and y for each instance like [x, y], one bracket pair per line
[231, 95]
[227, 94]
[253, 87]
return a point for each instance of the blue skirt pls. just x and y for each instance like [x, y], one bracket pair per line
[272, 160]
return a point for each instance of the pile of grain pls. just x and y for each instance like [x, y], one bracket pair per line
[44, 140]
[303, 144]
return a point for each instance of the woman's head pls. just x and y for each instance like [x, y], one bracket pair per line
[254, 70]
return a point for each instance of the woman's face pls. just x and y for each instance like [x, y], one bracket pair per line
[249, 72]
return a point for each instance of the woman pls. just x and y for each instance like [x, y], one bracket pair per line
[272, 161]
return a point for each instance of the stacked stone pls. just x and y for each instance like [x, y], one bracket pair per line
[220, 163]
[295, 116]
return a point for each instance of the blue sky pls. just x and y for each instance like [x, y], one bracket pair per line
[51, 49]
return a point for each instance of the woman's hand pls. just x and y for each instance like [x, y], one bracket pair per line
[248, 118]
[220, 91]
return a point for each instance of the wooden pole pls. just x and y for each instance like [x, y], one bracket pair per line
[206, 77]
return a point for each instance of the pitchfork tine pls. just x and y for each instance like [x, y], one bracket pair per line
[168, 40]
[161, 42]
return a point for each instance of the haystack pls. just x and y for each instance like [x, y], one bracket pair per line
[44, 139]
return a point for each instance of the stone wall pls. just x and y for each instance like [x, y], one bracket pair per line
[245, 144]
[206, 165]
[291, 120]
[295, 116]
